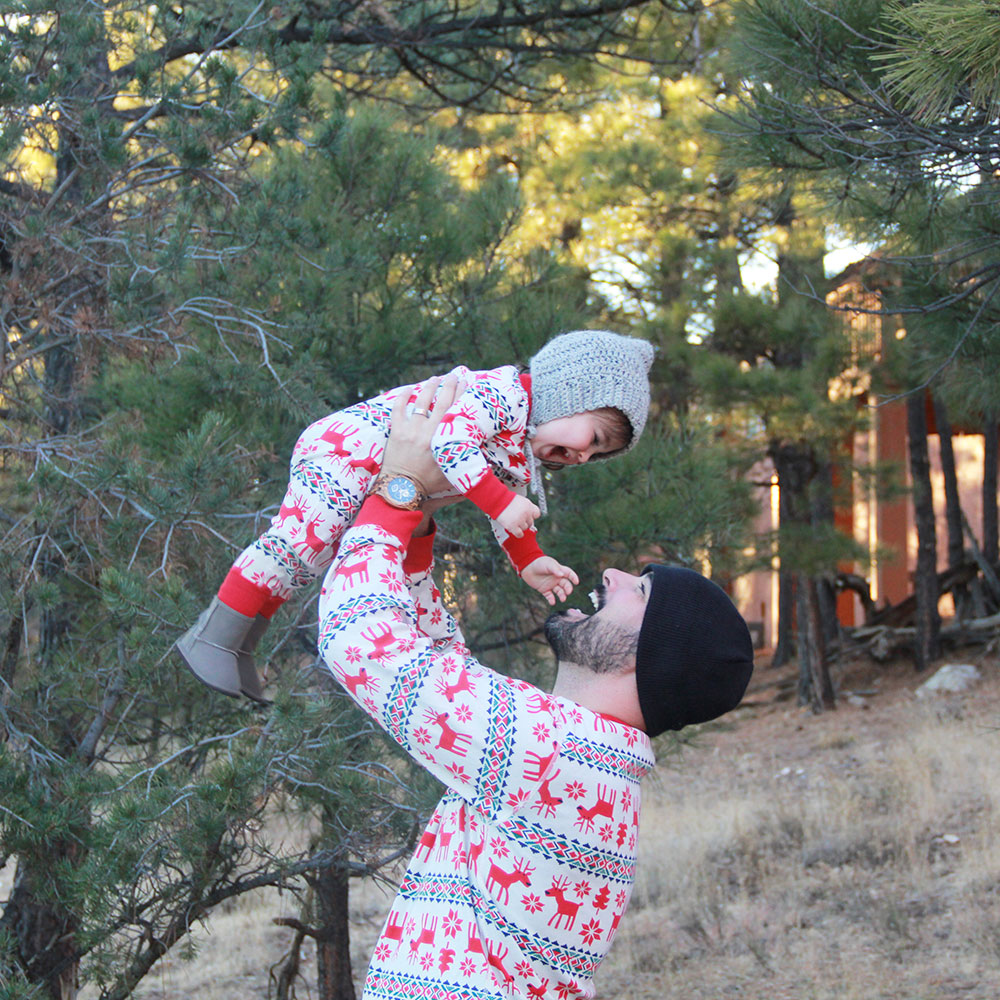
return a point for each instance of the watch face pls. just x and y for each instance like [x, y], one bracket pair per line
[401, 490]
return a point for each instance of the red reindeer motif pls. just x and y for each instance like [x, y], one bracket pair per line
[334, 435]
[539, 764]
[448, 422]
[428, 928]
[294, 509]
[381, 640]
[615, 921]
[465, 483]
[449, 690]
[393, 931]
[427, 840]
[495, 960]
[564, 907]
[312, 541]
[474, 851]
[540, 703]
[538, 992]
[604, 806]
[547, 802]
[369, 462]
[475, 942]
[348, 571]
[444, 844]
[353, 681]
[504, 879]
[451, 739]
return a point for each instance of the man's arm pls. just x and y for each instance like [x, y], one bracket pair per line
[465, 723]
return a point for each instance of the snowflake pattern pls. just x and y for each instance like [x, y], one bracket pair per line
[591, 931]
[452, 923]
[531, 902]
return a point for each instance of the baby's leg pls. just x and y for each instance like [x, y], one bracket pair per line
[332, 468]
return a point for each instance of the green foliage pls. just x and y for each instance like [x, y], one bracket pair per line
[942, 49]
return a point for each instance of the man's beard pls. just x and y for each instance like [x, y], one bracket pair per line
[589, 642]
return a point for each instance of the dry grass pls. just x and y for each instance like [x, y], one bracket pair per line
[851, 856]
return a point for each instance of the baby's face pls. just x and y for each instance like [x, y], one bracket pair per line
[574, 440]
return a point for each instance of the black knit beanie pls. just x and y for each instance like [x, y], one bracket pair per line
[695, 656]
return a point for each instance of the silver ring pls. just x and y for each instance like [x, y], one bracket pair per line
[421, 411]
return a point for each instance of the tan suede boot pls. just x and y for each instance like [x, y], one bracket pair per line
[210, 648]
[250, 683]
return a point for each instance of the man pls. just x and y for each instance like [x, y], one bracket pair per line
[521, 877]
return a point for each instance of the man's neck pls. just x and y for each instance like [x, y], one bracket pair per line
[610, 694]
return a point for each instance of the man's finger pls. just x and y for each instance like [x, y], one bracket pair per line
[399, 406]
[446, 395]
[426, 394]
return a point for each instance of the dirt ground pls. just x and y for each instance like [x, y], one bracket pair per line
[784, 856]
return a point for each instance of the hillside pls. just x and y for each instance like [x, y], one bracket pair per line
[786, 856]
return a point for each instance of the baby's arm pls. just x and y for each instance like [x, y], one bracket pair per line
[550, 578]
[541, 572]
[482, 413]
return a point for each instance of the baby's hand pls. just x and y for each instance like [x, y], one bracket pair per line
[550, 578]
[518, 516]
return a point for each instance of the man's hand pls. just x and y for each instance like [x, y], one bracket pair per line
[408, 447]
[550, 578]
[518, 516]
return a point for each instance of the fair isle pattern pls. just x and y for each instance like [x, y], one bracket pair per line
[352, 611]
[451, 456]
[605, 758]
[558, 957]
[342, 504]
[402, 699]
[613, 867]
[495, 767]
[397, 985]
[519, 880]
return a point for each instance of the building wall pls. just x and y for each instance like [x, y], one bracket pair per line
[884, 527]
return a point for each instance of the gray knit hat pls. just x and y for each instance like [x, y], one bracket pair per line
[588, 370]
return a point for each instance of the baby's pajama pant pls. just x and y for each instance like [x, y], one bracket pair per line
[330, 477]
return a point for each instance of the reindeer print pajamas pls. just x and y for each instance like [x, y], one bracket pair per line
[519, 881]
[479, 447]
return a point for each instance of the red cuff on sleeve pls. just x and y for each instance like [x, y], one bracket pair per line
[523, 550]
[420, 553]
[490, 495]
[399, 522]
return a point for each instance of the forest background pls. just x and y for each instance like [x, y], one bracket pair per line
[220, 221]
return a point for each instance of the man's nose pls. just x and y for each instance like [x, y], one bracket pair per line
[614, 578]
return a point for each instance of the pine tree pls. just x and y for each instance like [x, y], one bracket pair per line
[206, 244]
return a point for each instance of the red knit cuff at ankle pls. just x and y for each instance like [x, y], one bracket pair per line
[271, 606]
[238, 593]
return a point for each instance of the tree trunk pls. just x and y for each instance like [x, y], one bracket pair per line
[990, 545]
[815, 683]
[822, 514]
[333, 945]
[784, 647]
[927, 644]
[43, 933]
[795, 468]
[953, 505]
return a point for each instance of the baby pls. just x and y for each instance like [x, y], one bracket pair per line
[585, 396]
